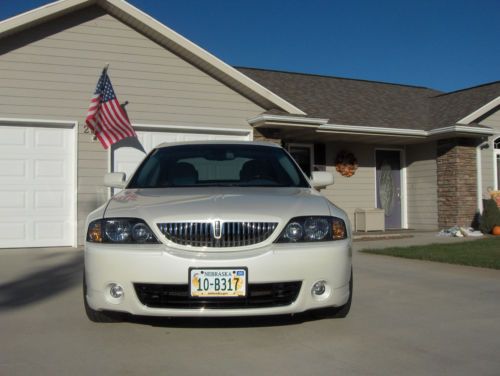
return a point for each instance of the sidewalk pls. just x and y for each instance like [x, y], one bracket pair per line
[406, 238]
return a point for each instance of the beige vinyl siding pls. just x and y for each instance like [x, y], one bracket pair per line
[50, 72]
[487, 167]
[488, 155]
[357, 191]
[492, 121]
[421, 175]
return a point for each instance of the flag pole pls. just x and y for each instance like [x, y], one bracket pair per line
[86, 128]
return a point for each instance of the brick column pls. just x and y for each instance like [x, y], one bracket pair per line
[267, 134]
[456, 181]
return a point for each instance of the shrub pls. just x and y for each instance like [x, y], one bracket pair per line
[490, 217]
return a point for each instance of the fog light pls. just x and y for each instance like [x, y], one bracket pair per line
[319, 288]
[116, 291]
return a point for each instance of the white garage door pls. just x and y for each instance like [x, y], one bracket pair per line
[126, 159]
[37, 189]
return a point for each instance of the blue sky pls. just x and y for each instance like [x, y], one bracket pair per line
[446, 45]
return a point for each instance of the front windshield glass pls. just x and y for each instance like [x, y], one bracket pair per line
[218, 165]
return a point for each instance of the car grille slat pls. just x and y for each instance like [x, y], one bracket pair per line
[259, 295]
[233, 234]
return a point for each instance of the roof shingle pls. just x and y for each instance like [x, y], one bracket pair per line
[369, 103]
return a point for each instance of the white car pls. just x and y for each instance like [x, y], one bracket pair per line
[217, 229]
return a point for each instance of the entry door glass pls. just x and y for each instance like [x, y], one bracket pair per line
[302, 155]
[389, 186]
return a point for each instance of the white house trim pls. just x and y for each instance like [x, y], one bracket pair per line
[496, 153]
[121, 9]
[462, 129]
[479, 179]
[360, 129]
[38, 122]
[480, 112]
[193, 129]
[292, 120]
[340, 128]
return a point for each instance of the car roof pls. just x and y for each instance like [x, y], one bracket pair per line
[220, 142]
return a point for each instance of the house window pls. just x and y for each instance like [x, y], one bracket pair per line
[303, 155]
[496, 150]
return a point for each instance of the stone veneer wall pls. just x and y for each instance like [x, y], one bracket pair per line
[267, 134]
[456, 180]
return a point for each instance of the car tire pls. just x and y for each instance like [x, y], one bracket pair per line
[98, 316]
[336, 312]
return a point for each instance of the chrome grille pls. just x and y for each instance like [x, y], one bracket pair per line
[203, 234]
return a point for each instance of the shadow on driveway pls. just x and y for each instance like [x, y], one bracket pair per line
[218, 322]
[41, 284]
[229, 322]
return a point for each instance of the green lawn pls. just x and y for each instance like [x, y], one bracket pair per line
[484, 253]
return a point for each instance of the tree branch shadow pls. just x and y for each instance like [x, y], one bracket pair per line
[41, 284]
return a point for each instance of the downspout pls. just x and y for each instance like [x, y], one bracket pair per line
[479, 180]
[479, 177]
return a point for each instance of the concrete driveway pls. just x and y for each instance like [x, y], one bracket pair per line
[407, 318]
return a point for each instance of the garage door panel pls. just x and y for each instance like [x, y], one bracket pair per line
[49, 230]
[13, 231]
[53, 169]
[50, 139]
[10, 199]
[49, 200]
[13, 168]
[13, 137]
[37, 191]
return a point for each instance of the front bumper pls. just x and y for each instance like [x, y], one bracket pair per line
[157, 264]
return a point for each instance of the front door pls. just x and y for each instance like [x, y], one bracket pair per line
[389, 186]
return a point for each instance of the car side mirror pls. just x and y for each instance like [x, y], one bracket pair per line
[115, 180]
[321, 179]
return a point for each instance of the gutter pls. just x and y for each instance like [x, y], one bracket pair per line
[321, 125]
[265, 119]
[359, 129]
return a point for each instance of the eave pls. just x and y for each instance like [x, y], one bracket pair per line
[162, 35]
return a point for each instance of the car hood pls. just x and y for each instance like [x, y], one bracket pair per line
[157, 205]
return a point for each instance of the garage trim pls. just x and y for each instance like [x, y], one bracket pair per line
[195, 129]
[183, 128]
[47, 123]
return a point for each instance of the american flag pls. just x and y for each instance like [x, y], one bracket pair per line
[105, 117]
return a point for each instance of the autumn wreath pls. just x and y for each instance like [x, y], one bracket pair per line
[346, 163]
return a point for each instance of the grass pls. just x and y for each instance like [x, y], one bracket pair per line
[484, 253]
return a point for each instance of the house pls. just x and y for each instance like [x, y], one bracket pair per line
[425, 157]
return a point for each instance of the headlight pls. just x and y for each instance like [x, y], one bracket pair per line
[120, 230]
[313, 229]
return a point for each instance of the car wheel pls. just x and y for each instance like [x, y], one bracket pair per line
[98, 316]
[336, 312]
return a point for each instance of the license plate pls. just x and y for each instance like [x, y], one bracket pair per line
[223, 283]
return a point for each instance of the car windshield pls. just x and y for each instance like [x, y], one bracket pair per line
[218, 165]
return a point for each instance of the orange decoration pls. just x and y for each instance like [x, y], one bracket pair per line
[496, 230]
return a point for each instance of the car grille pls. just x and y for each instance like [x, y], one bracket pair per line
[218, 234]
[259, 295]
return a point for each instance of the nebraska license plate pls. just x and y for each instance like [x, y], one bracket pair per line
[223, 283]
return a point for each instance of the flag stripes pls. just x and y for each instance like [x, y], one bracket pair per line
[105, 117]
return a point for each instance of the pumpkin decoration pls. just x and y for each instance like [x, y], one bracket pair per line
[495, 230]
[346, 163]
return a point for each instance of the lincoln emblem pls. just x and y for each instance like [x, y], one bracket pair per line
[217, 230]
